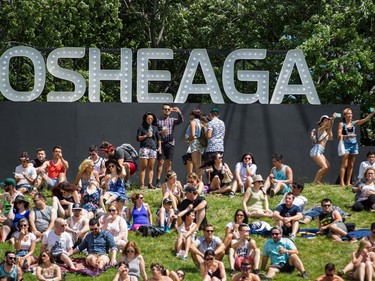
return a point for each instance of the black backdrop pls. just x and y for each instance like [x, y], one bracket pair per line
[260, 129]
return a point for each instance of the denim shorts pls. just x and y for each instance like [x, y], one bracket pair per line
[316, 150]
[351, 148]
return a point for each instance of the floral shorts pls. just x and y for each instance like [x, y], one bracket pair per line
[147, 153]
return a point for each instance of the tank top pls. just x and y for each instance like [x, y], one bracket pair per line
[347, 131]
[55, 170]
[12, 274]
[134, 269]
[256, 200]
[140, 216]
[280, 175]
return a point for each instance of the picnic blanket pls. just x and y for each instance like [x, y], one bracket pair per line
[358, 234]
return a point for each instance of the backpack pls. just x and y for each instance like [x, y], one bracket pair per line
[131, 150]
[202, 138]
[150, 231]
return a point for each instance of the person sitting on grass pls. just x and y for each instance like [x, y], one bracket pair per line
[299, 200]
[244, 248]
[330, 223]
[365, 192]
[330, 271]
[362, 260]
[172, 188]
[158, 273]
[47, 268]
[245, 273]
[123, 273]
[207, 242]
[165, 215]
[212, 269]
[186, 228]
[283, 254]
[287, 216]
[231, 229]
[132, 256]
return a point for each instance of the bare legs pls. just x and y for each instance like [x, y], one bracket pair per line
[347, 164]
[324, 165]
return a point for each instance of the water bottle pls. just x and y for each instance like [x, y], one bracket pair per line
[150, 131]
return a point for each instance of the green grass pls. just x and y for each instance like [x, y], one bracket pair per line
[314, 253]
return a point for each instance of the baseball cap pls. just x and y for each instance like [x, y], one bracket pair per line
[8, 181]
[190, 188]
[215, 109]
[167, 200]
[76, 206]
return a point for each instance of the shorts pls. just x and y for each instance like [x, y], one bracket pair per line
[316, 150]
[340, 225]
[284, 267]
[58, 258]
[27, 186]
[22, 253]
[166, 151]
[238, 261]
[147, 153]
[312, 213]
[195, 146]
[132, 167]
[52, 182]
[286, 189]
[351, 148]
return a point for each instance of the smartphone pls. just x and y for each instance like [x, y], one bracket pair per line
[371, 109]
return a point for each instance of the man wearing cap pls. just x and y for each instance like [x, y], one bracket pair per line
[77, 225]
[287, 216]
[56, 168]
[42, 217]
[283, 254]
[165, 215]
[245, 274]
[215, 134]
[59, 243]
[10, 194]
[166, 127]
[122, 156]
[196, 203]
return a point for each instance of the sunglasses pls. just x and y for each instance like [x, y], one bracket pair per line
[111, 166]
[112, 210]
[140, 197]
[275, 234]
[247, 158]
[327, 205]
[92, 154]
[209, 231]
[94, 229]
[44, 256]
[209, 259]
[23, 225]
[167, 109]
[239, 215]
[130, 251]
[11, 258]
[244, 268]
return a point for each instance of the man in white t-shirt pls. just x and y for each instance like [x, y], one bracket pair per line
[59, 243]
[25, 174]
[299, 200]
[365, 164]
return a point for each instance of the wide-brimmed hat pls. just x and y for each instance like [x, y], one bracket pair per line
[76, 206]
[258, 178]
[112, 161]
[21, 198]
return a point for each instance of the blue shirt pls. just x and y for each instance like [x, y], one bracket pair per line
[271, 249]
[100, 244]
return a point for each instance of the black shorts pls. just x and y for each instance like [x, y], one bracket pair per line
[58, 258]
[166, 151]
[284, 267]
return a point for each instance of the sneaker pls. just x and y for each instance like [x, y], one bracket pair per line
[231, 194]
[302, 222]
[167, 229]
[127, 184]
[256, 271]
[143, 187]
[158, 184]
[184, 258]
[292, 237]
[304, 275]
[232, 272]
[178, 255]
[162, 228]
[151, 186]
[25, 265]
[264, 277]
[272, 192]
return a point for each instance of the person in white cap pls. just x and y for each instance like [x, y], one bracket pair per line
[77, 224]
[320, 138]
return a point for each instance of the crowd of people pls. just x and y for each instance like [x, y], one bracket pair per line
[94, 214]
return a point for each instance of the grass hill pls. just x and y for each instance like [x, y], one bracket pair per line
[314, 253]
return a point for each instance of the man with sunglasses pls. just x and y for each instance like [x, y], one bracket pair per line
[330, 223]
[9, 269]
[245, 274]
[207, 242]
[59, 243]
[99, 244]
[283, 254]
[98, 161]
[166, 128]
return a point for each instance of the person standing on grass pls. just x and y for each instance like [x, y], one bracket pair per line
[283, 254]
[166, 127]
[347, 132]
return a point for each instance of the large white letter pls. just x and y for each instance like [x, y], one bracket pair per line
[39, 71]
[66, 74]
[144, 75]
[282, 88]
[124, 75]
[199, 57]
[261, 77]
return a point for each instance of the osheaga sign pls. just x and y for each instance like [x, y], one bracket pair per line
[294, 59]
